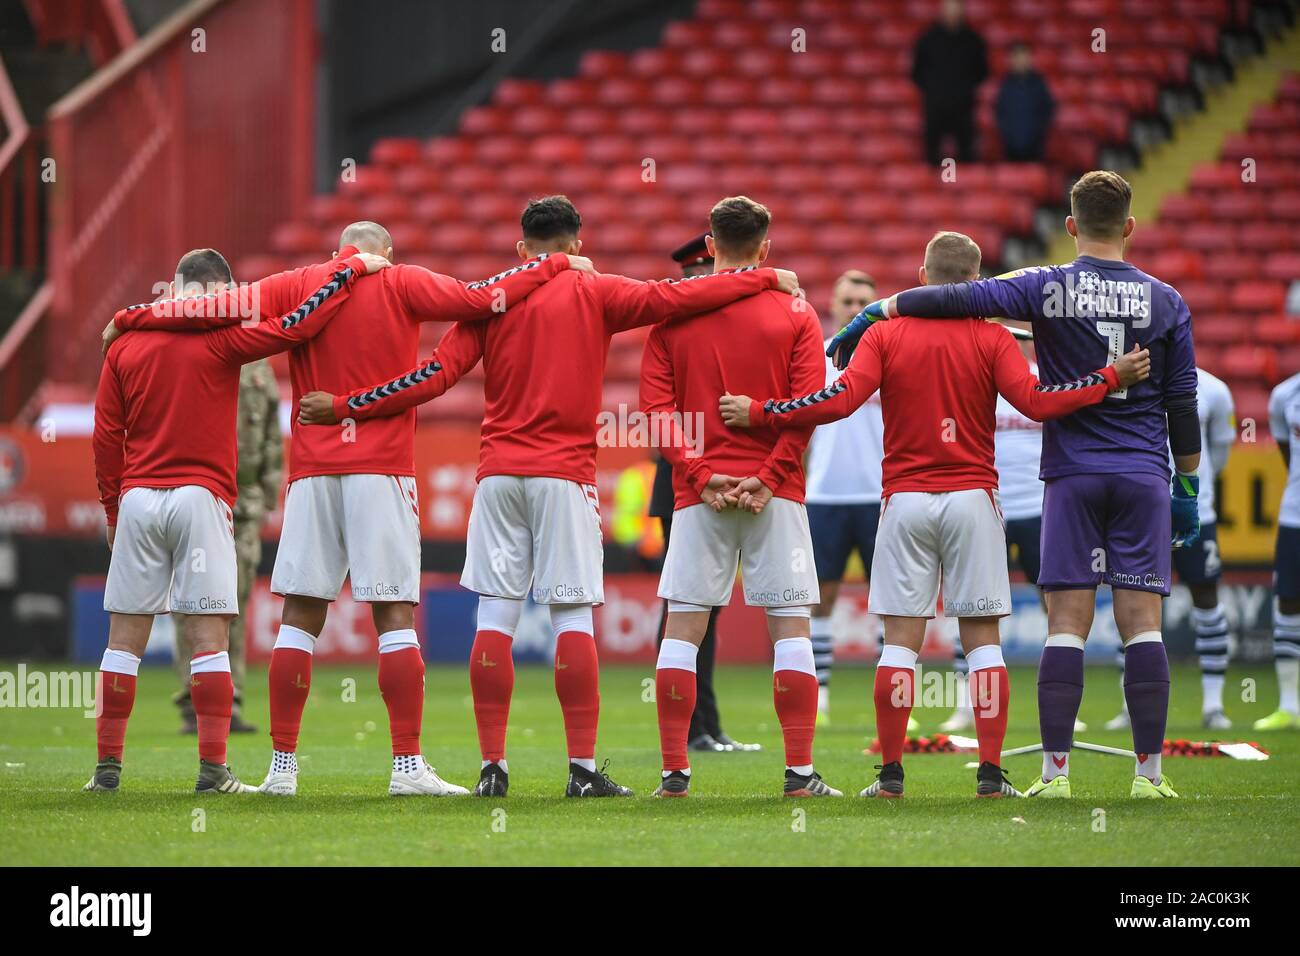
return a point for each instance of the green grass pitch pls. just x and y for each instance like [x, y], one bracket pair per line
[1231, 812]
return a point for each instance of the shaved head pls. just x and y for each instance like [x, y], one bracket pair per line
[367, 237]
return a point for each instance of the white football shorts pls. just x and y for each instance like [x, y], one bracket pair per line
[956, 538]
[538, 533]
[773, 549]
[174, 550]
[368, 525]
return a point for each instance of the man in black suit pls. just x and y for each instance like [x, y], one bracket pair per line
[948, 65]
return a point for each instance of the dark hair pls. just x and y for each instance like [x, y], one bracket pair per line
[738, 225]
[951, 257]
[550, 217]
[1100, 203]
[204, 267]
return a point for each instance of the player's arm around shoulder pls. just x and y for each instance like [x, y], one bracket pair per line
[457, 352]
[429, 296]
[241, 305]
[240, 344]
[807, 355]
[823, 404]
[108, 441]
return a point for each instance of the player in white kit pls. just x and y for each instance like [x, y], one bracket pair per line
[1199, 565]
[1284, 423]
[843, 494]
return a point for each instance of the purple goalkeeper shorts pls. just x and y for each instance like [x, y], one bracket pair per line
[1106, 529]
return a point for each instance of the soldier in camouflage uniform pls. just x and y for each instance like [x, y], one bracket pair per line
[261, 466]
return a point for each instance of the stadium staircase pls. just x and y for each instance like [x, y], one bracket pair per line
[46, 48]
[829, 138]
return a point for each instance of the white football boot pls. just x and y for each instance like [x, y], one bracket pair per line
[423, 782]
[280, 783]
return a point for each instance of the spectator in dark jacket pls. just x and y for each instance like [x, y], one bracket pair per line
[948, 65]
[1024, 109]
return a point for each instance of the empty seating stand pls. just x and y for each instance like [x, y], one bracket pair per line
[1231, 246]
[828, 137]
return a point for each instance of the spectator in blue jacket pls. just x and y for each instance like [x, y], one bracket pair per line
[1024, 109]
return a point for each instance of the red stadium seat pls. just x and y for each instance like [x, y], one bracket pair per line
[602, 63]
[1215, 177]
[1258, 296]
[331, 209]
[1185, 207]
[416, 180]
[1265, 237]
[558, 149]
[389, 208]
[1282, 266]
[1231, 266]
[395, 152]
[517, 92]
[252, 268]
[485, 119]
[1250, 362]
[1281, 331]
[1217, 330]
[656, 62]
[369, 181]
[534, 120]
[571, 91]
[437, 207]
[448, 150]
[1203, 297]
[294, 238]
[1177, 265]
[414, 239]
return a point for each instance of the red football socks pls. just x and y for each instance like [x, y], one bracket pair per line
[492, 681]
[577, 685]
[212, 694]
[289, 680]
[675, 701]
[116, 698]
[794, 693]
[401, 683]
[893, 695]
[990, 695]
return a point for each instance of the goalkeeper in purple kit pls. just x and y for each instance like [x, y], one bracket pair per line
[1105, 468]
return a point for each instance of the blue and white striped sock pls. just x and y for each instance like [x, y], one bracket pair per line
[1286, 655]
[823, 649]
[1211, 627]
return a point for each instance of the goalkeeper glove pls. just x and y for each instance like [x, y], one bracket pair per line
[846, 339]
[1186, 517]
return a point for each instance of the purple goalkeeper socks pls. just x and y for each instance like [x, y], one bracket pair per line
[1146, 691]
[1060, 691]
